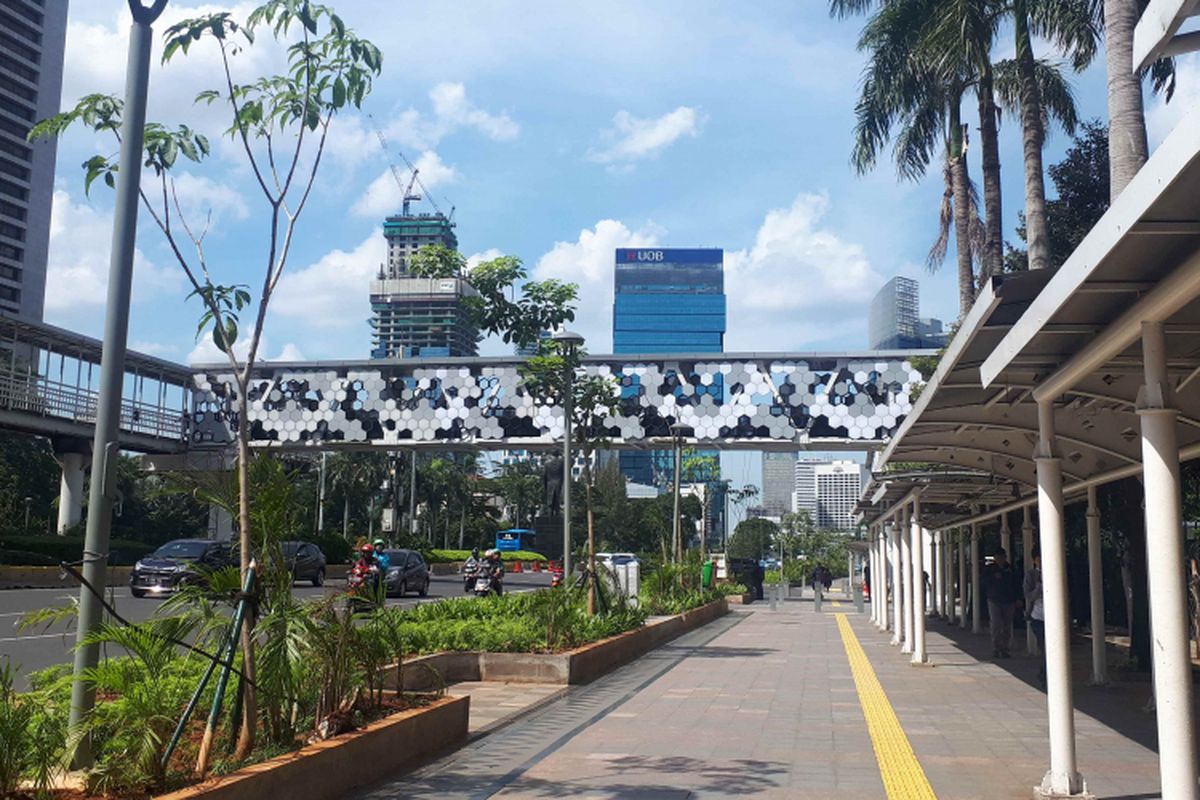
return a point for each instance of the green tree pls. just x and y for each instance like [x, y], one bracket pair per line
[519, 486]
[279, 123]
[594, 398]
[437, 261]
[538, 306]
[754, 538]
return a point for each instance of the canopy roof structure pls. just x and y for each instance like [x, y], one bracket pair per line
[1072, 337]
[1157, 33]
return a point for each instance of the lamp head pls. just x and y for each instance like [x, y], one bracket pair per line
[567, 338]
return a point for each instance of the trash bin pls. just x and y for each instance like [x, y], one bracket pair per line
[706, 574]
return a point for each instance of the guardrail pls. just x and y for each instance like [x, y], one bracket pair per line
[42, 397]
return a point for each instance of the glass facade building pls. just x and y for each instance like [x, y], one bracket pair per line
[667, 300]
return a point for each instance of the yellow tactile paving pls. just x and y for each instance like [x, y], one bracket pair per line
[903, 778]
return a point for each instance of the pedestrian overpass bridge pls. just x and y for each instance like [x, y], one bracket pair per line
[748, 401]
[49, 382]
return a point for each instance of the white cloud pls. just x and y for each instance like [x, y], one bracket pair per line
[354, 140]
[475, 259]
[1161, 116]
[588, 261]
[799, 282]
[199, 197]
[205, 352]
[383, 196]
[332, 293]
[632, 138]
[77, 267]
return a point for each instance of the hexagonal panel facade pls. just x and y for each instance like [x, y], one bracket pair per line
[483, 403]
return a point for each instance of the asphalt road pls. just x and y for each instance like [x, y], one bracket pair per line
[36, 648]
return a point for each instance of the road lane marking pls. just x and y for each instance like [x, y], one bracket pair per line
[38, 636]
[903, 778]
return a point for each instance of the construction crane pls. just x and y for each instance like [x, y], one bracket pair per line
[407, 194]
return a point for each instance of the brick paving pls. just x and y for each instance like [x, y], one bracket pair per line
[762, 704]
[494, 703]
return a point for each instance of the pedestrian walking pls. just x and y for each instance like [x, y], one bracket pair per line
[1002, 589]
[1035, 614]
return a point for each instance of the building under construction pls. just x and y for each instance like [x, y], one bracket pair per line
[413, 317]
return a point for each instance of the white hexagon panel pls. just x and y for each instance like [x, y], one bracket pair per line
[484, 403]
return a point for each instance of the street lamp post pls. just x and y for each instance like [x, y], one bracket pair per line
[570, 343]
[677, 432]
[112, 365]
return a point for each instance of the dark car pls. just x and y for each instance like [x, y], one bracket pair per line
[176, 563]
[306, 561]
[406, 573]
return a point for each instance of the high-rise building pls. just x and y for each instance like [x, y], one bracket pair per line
[666, 300]
[895, 323]
[32, 36]
[414, 317]
[839, 485]
[828, 491]
[778, 482]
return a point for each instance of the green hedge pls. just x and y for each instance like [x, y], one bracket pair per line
[50, 550]
[448, 556]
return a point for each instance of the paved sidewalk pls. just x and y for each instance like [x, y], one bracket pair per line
[495, 703]
[764, 704]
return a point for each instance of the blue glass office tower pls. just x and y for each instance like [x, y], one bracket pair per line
[667, 301]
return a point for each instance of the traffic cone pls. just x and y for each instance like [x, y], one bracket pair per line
[537, 566]
[516, 566]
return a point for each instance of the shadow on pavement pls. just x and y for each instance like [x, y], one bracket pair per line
[721, 652]
[736, 777]
[1121, 705]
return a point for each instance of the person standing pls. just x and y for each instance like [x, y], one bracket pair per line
[1002, 589]
[1034, 612]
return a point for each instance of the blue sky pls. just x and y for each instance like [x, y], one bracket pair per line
[559, 131]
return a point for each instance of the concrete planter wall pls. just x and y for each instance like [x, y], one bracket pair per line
[336, 766]
[740, 599]
[582, 665]
[52, 577]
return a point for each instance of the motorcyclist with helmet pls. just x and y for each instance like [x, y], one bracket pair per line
[471, 569]
[494, 566]
[381, 557]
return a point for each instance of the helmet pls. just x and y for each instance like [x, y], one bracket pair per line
[366, 548]
[475, 552]
[493, 553]
[380, 544]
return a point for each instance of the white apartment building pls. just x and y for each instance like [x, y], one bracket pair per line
[828, 491]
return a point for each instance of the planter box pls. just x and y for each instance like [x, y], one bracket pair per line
[336, 766]
[740, 599]
[582, 665]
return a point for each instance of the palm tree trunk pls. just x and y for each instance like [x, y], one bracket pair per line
[346, 515]
[1127, 146]
[961, 187]
[989, 142]
[1037, 237]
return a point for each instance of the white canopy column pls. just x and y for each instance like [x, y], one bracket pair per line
[1063, 778]
[976, 594]
[1031, 645]
[962, 578]
[1165, 566]
[897, 586]
[939, 574]
[1096, 592]
[918, 577]
[906, 579]
[1006, 536]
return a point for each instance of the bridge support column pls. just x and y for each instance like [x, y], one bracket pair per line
[70, 491]
[220, 524]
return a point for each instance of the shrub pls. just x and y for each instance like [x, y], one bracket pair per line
[51, 550]
[31, 737]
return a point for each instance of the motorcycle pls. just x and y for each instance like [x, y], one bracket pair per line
[556, 577]
[362, 584]
[489, 579]
[470, 573]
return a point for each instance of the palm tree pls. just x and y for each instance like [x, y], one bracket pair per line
[1127, 145]
[959, 34]
[1049, 99]
[904, 88]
